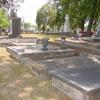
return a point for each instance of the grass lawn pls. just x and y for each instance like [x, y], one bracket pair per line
[51, 37]
[16, 83]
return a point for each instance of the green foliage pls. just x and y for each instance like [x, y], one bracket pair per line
[60, 15]
[46, 16]
[79, 11]
[4, 21]
[27, 25]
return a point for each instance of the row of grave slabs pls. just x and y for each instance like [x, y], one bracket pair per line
[75, 76]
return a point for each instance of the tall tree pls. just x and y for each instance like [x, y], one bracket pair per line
[46, 16]
[60, 15]
[94, 8]
[4, 21]
[80, 10]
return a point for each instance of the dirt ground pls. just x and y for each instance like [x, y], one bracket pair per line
[16, 83]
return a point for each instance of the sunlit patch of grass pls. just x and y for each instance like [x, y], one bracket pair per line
[4, 56]
[1, 97]
[34, 88]
[51, 37]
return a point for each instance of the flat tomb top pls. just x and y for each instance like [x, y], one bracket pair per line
[35, 49]
[24, 44]
[86, 78]
[72, 62]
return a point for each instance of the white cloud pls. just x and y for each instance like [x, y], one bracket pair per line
[29, 9]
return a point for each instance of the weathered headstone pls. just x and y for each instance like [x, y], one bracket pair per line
[66, 25]
[15, 26]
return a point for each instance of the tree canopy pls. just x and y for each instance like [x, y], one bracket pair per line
[4, 21]
[46, 16]
[79, 11]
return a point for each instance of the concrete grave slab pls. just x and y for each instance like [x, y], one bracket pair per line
[78, 83]
[16, 41]
[43, 67]
[35, 52]
[92, 39]
[87, 47]
[24, 44]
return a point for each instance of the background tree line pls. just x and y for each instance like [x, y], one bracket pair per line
[78, 10]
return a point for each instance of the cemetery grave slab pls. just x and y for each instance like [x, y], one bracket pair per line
[35, 52]
[16, 41]
[24, 44]
[92, 48]
[43, 67]
[78, 83]
[92, 39]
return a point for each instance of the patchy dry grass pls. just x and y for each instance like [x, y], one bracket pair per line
[4, 56]
[16, 83]
[1, 78]
[51, 37]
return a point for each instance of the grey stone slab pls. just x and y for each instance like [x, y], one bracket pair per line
[86, 79]
[71, 62]
[83, 82]
[87, 47]
[53, 64]
[24, 44]
[35, 52]
[92, 39]
[16, 40]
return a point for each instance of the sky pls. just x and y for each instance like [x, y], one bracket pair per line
[28, 10]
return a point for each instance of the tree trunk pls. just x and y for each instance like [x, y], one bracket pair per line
[82, 24]
[92, 16]
[90, 24]
[38, 29]
[43, 28]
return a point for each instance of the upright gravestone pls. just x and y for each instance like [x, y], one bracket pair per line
[15, 26]
[66, 28]
[15, 23]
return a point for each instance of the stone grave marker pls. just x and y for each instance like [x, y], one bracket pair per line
[78, 83]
